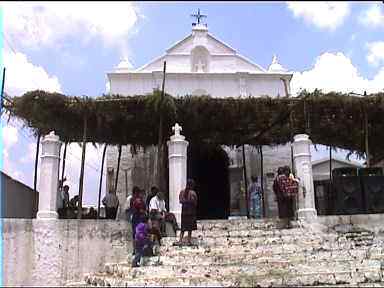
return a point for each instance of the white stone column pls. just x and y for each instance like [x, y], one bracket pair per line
[302, 158]
[49, 168]
[177, 156]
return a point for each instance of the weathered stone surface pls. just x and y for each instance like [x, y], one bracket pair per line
[240, 253]
[43, 252]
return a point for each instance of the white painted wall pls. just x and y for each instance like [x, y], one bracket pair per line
[217, 85]
[53, 252]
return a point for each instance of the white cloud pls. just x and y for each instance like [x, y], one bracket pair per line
[335, 72]
[373, 16]
[324, 15]
[10, 136]
[30, 155]
[375, 53]
[23, 76]
[36, 24]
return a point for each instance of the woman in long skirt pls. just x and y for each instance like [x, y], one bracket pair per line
[188, 201]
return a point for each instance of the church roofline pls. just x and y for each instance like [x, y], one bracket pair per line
[250, 62]
[222, 42]
[149, 63]
[267, 74]
[178, 43]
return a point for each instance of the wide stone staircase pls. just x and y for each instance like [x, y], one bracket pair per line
[249, 253]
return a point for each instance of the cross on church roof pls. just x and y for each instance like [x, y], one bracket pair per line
[198, 16]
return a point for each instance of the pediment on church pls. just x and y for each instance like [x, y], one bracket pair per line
[202, 49]
[213, 45]
[183, 46]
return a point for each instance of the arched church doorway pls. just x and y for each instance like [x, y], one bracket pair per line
[208, 166]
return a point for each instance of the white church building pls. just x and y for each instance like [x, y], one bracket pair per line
[201, 64]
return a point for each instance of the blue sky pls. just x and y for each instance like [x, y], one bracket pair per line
[69, 47]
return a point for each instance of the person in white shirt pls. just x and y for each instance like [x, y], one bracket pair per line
[127, 208]
[111, 203]
[157, 213]
[157, 203]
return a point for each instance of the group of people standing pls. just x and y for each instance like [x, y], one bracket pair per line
[148, 219]
[285, 187]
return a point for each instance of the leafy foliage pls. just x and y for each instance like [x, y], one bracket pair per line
[333, 119]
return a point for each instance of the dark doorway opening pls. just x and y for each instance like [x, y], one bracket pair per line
[208, 167]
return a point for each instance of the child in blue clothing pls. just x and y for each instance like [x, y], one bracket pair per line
[143, 244]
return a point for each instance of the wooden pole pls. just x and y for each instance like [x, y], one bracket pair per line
[330, 164]
[291, 136]
[160, 159]
[2, 90]
[262, 178]
[245, 182]
[101, 181]
[126, 182]
[80, 208]
[118, 168]
[35, 176]
[64, 157]
[366, 133]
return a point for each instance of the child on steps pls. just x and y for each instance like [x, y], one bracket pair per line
[142, 243]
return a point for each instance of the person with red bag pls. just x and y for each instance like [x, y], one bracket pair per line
[286, 189]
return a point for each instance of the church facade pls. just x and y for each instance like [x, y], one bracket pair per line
[200, 64]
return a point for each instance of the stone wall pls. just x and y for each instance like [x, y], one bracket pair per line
[371, 222]
[141, 170]
[53, 252]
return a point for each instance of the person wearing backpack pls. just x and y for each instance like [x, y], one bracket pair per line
[285, 187]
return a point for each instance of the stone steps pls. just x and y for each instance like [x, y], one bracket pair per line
[295, 266]
[242, 278]
[253, 252]
[234, 257]
[255, 244]
[254, 232]
[77, 284]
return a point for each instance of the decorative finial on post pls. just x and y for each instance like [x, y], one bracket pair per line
[177, 128]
